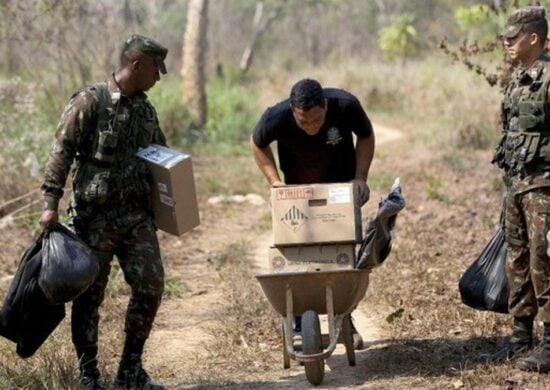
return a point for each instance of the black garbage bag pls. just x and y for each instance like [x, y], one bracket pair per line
[26, 318]
[68, 265]
[483, 285]
[376, 245]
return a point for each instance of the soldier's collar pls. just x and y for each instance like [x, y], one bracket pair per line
[534, 73]
[116, 92]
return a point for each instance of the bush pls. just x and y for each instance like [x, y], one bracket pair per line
[173, 116]
[232, 110]
[25, 134]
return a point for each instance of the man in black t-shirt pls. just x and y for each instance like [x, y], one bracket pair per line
[314, 132]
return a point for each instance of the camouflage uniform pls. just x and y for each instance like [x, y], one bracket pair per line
[524, 154]
[102, 129]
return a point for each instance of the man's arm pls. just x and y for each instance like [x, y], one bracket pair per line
[364, 152]
[266, 162]
[70, 133]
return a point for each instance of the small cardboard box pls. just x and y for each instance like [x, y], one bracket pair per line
[311, 258]
[173, 195]
[316, 214]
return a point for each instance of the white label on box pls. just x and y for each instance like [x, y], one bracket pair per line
[154, 155]
[174, 160]
[339, 195]
[163, 187]
[168, 201]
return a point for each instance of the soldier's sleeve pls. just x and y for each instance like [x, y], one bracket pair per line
[71, 131]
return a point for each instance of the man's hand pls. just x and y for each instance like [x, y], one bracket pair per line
[47, 218]
[278, 183]
[363, 189]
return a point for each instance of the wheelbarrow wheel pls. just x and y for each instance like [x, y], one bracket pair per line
[311, 343]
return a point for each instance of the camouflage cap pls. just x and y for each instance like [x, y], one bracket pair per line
[149, 47]
[522, 16]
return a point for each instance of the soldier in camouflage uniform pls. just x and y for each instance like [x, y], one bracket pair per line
[524, 155]
[101, 129]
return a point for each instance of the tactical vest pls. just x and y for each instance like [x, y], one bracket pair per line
[110, 172]
[524, 148]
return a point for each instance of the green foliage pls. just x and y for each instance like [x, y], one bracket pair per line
[400, 39]
[472, 17]
[174, 288]
[173, 116]
[232, 110]
[478, 21]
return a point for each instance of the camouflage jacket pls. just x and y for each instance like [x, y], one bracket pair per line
[524, 149]
[102, 130]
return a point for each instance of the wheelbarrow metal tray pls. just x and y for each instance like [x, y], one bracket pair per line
[309, 290]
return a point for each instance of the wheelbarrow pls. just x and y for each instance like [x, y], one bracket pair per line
[335, 293]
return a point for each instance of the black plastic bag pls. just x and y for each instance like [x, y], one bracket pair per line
[68, 265]
[483, 285]
[376, 244]
[26, 318]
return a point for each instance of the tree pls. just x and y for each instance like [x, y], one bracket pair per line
[261, 24]
[193, 91]
[399, 39]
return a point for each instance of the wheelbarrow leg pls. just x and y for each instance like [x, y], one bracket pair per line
[286, 358]
[348, 339]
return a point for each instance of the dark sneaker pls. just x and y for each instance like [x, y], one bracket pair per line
[133, 376]
[538, 360]
[297, 325]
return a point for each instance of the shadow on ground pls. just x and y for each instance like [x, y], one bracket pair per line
[387, 359]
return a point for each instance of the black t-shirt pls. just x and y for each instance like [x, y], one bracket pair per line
[326, 157]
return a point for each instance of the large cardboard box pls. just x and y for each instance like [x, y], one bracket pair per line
[173, 196]
[315, 214]
[311, 258]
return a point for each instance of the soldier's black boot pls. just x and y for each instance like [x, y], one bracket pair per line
[131, 374]
[520, 342]
[89, 373]
[539, 359]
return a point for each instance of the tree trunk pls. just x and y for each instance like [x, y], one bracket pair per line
[193, 93]
[261, 24]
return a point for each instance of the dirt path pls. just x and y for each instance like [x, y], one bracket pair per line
[183, 329]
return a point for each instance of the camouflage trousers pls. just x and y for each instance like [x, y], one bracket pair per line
[527, 221]
[137, 250]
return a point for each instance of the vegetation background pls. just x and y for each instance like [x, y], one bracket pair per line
[432, 68]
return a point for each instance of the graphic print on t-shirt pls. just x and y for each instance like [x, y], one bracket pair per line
[294, 218]
[333, 136]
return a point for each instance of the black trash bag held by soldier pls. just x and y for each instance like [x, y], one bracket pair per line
[68, 265]
[376, 245]
[26, 317]
[483, 286]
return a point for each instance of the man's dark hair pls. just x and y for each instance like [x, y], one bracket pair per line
[539, 27]
[306, 94]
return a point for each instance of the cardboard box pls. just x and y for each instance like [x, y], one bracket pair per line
[173, 195]
[315, 214]
[311, 258]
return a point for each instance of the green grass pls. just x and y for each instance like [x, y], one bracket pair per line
[174, 288]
